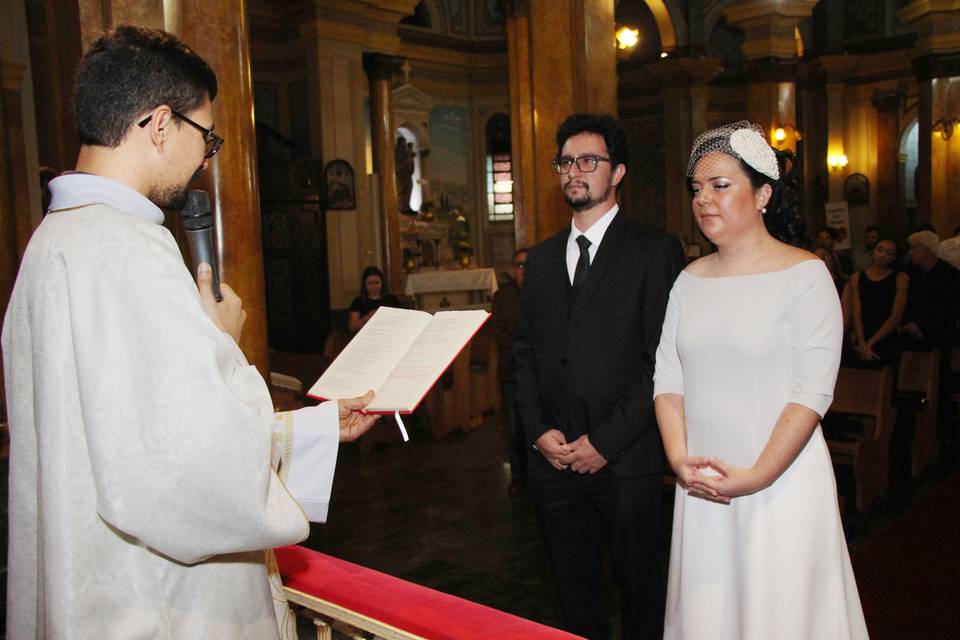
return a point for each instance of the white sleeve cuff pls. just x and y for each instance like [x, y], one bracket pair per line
[313, 458]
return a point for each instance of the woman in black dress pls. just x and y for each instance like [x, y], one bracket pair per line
[879, 295]
[373, 295]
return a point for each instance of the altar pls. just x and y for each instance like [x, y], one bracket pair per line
[457, 288]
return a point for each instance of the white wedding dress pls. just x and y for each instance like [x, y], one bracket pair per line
[773, 564]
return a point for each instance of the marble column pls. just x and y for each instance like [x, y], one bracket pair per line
[380, 69]
[889, 216]
[937, 68]
[562, 60]
[218, 31]
[683, 90]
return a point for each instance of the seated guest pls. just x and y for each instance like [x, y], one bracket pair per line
[930, 318]
[878, 296]
[863, 256]
[832, 260]
[506, 314]
[949, 250]
[373, 295]
[827, 238]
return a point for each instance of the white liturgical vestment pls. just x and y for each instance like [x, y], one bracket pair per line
[142, 495]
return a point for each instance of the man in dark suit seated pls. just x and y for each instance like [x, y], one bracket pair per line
[930, 318]
[592, 306]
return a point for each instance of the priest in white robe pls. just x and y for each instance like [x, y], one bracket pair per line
[144, 495]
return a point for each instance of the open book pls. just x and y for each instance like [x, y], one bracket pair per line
[399, 354]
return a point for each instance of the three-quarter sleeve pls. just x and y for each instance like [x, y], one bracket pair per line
[668, 374]
[816, 337]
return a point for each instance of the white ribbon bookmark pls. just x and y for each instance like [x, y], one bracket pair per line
[403, 430]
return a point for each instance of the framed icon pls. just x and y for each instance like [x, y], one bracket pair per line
[341, 188]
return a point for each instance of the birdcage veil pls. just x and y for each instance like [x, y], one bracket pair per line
[742, 140]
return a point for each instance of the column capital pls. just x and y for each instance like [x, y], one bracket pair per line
[768, 26]
[885, 102]
[381, 66]
[937, 23]
[754, 11]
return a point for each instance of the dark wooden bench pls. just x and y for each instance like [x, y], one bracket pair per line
[918, 381]
[866, 393]
[484, 390]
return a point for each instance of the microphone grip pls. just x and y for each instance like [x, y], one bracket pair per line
[201, 250]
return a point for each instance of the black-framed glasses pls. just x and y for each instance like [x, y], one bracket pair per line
[212, 140]
[520, 265]
[586, 164]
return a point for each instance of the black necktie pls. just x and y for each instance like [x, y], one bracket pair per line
[583, 264]
[580, 273]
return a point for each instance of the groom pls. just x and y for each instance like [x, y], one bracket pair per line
[592, 307]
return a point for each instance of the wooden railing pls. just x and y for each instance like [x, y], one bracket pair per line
[360, 602]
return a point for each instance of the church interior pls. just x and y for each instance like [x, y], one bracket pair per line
[417, 136]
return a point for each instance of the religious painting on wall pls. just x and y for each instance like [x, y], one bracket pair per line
[449, 163]
[340, 186]
[856, 190]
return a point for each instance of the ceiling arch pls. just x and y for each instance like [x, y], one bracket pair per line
[670, 23]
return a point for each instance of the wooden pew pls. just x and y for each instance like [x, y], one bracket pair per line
[448, 403]
[919, 380]
[866, 393]
[484, 390]
[286, 392]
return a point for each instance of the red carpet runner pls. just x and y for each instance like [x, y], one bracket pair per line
[908, 576]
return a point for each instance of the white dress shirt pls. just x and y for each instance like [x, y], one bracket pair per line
[594, 234]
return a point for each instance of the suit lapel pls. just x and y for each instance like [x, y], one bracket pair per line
[599, 266]
[561, 283]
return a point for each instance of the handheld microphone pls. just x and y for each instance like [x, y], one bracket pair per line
[198, 226]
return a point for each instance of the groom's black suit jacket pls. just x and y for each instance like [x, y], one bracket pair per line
[591, 372]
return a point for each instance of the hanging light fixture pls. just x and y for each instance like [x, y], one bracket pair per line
[627, 37]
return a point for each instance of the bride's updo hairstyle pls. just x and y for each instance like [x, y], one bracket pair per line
[762, 164]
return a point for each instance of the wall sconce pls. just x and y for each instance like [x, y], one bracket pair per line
[627, 38]
[836, 162]
[780, 134]
[944, 126]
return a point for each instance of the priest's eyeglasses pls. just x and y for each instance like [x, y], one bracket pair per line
[212, 140]
[586, 164]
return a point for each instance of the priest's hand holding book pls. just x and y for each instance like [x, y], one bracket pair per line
[354, 421]
[229, 316]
